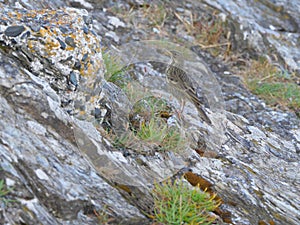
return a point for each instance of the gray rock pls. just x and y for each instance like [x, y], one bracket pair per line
[59, 165]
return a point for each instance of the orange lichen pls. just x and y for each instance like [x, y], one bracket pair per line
[69, 48]
[195, 180]
[124, 188]
[205, 185]
[43, 32]
[270, 222]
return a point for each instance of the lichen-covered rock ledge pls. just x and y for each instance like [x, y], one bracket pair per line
[50, 180]
[256, 171]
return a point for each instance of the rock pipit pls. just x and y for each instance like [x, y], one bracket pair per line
[182, 83]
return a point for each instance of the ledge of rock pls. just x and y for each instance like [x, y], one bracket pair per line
[59, 166]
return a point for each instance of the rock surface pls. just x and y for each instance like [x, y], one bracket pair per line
[60, 166]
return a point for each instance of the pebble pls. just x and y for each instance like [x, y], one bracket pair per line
[35, 27]
[180, 10]
[188, 5]
[115, 21]
[62, 44]
[73, 79]
[155, 30]
[70, 41]
[14, 31]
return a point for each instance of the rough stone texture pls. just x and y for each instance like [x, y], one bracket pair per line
[265, 26]
[40, 158]
[61, 168]
[58, 45]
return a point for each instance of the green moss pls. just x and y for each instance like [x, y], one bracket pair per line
[176, 203]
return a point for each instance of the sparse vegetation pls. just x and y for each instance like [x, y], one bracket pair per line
[114, 70]
[212, 34]
[177, 203]
[3, 192]
[160, 135]
[152, 128]
[102, 216]
[277, 88]
[157, 15]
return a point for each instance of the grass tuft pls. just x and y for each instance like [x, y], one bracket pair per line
[276, 87]
[114, 70]
[3, 192]
[177, 203]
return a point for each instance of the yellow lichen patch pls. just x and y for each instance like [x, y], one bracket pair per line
[90, 69]
[43, 32]
[52, 43]
[124, 188]
[69, 48]
[31, 44]
[270, 222]
[31, 14]
[54, 32]
[19, 16]
[82, 113]
[10, 14]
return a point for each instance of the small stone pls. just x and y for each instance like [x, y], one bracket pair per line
[62, 44]
[84, 57]
[85, 29]
[64, 30]
[88, 20]
[189, 5]
[70, 41]
[25, 35]
[180, 10]
[14, 31]
[77, 65]
[97, 113]
[112, 35]
[35, 27]
[73, 79]
[115, 21]
[155, 30]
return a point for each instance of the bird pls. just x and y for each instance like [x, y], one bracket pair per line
[181, 82]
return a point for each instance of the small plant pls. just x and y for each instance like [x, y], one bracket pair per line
[274, 86]
[3, 192]
[114, 70]
[102, 216]
[126, 140]
[153, 127]
[177, 203]
[157, 14]
[152, 131]
[210, 34]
